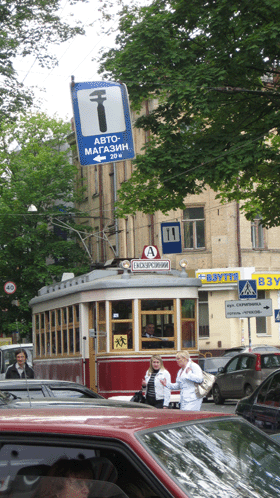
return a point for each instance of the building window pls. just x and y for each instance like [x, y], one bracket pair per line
[194, 228]
[261, 320]
[257, 233]
[203, 314]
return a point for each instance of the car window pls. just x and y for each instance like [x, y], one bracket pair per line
[270, 392]
[246, 362]
[68, 393]
[23, 393]
[217, 459]
[232, 365]
[270, 361]
[26, 470]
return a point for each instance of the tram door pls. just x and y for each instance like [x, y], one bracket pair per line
[92, 348]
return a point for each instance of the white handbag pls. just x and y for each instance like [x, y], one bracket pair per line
[205, 386]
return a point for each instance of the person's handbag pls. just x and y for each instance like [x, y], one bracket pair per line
[205, 386]
[138, 397]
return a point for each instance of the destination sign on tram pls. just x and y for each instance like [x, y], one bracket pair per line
[102, 122]
[150, 265]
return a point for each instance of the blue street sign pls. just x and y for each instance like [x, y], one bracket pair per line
[171, 238]
[277, 315]
[247, 289]
[102, 122]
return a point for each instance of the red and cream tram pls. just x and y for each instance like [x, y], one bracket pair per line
[94, 328]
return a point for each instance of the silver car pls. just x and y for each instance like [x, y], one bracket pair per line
[242, 374]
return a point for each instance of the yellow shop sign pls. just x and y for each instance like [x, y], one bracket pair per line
[267, 280]
[218, 277]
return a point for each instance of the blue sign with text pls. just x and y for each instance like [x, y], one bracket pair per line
[102, 122]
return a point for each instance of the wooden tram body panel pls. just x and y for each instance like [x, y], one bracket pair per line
[92, 329]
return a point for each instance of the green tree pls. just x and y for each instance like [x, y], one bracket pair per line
[214, 68]
[27, 27]
[35, 248]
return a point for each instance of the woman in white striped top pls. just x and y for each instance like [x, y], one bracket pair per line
[156, 394]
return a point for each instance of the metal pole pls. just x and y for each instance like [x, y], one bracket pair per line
[249, 332]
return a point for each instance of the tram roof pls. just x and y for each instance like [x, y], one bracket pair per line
[114, 279]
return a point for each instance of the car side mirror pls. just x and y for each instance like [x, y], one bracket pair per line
[221, 369]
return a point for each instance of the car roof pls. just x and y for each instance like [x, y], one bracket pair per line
[34, 382]
[17, 346]
[71, 402]
[105, 422]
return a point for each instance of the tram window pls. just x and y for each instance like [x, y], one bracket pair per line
[64, 311]
[102, 340]
[77, 312]
[188, 335]
[71, 341]
[59, 317]
[77, 340]
[38, 344]
[157, 304]
[59, 345]
[122, 336]
[70, 314]
[122, 310]
[188, 308]
[65, 341]
[53, 343]
[157, 324]
[188, 317]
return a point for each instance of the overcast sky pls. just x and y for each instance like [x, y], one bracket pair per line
[52, 86]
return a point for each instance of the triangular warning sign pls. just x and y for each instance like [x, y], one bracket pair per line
[248, 290]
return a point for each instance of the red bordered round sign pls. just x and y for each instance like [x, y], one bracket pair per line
[10, 287]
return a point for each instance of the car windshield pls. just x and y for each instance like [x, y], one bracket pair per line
[221, 458]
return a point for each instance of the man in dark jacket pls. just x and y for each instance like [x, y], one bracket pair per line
[20, 369]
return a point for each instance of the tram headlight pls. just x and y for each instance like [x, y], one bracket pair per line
[125, 264]
[183, 263]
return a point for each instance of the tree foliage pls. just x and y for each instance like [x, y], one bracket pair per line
[35, 249]
[214, 68]
[27, 27]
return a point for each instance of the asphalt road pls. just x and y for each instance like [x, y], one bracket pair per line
[228, 406]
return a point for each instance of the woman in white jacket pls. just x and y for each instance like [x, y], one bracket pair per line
[189, 374]
[156, 393]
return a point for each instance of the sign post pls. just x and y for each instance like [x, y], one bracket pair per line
[102, 122]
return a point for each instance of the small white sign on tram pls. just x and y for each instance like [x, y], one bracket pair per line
[150, 265]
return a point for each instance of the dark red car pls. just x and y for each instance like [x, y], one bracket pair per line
[135, 453]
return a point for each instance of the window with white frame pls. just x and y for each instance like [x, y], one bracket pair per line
[257, 233]
[194, 228]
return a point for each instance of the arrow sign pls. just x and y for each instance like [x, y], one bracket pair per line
[99, 159]
[247, 309]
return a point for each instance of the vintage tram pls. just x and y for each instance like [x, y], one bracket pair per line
[100, 329]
